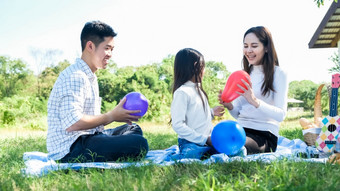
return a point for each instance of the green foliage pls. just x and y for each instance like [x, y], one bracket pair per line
[154, 81]
[48, 77]
[305, 90]
[149, 80]
[335, 59]
[214, 80]
[8, 117]
[13, 76]
[21, 108]
[321, 2]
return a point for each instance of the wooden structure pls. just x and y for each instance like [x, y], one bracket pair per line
[327, 35]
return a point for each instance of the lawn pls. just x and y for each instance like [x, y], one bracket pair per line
[278, 175]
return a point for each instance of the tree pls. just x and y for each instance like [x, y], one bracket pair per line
[335, 59]
[305, 90]
[13, 76]
[321, 2]
[43, 59]
[151, 80]
[215, 77]
[49, 76]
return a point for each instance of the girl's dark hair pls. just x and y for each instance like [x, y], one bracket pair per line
[269, 60]
[95, 31]
[189, 64]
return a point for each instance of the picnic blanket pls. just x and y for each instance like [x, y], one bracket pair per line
[38, 163]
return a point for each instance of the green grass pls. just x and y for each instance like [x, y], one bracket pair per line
[278, 175]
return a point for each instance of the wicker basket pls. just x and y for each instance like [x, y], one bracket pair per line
[310, 135]
[310, 138]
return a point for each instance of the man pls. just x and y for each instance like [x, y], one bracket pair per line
[75, 125]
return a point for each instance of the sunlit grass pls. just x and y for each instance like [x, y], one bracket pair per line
[277, 175]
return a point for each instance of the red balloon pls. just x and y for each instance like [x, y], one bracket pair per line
[230, 89]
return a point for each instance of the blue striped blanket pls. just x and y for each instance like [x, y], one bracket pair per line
[38, 164]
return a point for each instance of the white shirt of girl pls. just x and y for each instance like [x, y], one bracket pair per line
[189, 118]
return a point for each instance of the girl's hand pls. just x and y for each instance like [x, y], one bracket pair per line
[229, 106]
[248, 93]
[218, 111]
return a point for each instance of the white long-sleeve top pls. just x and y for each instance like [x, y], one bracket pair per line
[189, 119]
[273, 106]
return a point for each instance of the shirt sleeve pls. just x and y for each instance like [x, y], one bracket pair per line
[212, 113]
[236, 107]
[178, 116]
[278, 110]
[72, 101]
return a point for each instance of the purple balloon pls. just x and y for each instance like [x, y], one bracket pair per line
[136, 101]
[228, 137]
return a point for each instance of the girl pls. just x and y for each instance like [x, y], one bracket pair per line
[264, 103]
[190, 112]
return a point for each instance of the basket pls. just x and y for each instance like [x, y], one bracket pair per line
[310, 138]
[310, 135]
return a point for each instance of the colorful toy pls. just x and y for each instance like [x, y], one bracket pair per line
[230, 89]
[136, 101]
[327, 139]
[228, 137]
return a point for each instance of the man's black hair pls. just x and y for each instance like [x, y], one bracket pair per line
[95, 31]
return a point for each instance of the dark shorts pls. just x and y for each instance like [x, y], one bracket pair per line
[260, 141]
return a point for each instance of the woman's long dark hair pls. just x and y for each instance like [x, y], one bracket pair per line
[269, 60]
[189, 64]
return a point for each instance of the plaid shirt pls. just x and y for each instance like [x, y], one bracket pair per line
[74, 93]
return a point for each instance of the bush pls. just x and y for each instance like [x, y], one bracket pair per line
[8, 117]
[21, 108]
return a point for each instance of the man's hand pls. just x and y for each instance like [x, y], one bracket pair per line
[120, 114]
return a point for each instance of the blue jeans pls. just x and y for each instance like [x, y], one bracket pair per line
[188, 149]
[192, 150]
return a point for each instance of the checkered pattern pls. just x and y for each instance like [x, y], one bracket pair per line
[74, 93]
[326, 135]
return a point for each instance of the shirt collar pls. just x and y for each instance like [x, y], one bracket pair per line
[258, 68]
[86, 69]
[190, 83]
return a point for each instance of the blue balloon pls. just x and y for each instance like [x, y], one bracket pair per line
[136, 101]
[228, 137]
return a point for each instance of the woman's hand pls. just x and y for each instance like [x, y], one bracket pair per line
[218, 111]
[248, 93]
[229, 106]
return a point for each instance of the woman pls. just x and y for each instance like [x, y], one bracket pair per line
[263, 104]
